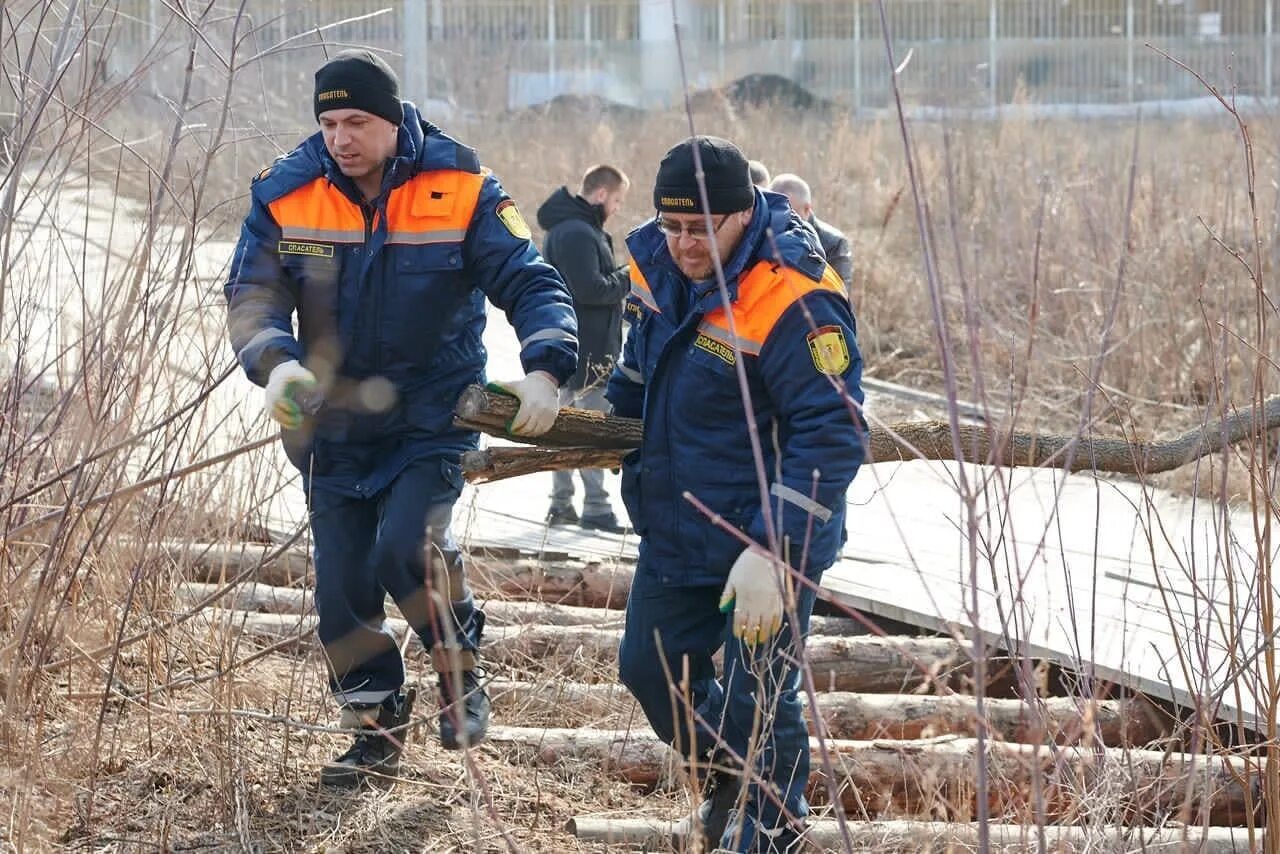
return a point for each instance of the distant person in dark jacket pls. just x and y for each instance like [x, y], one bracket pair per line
[577, 245]
[834, 243]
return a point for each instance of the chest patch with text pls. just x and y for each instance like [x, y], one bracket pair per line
[301, 247]
[719, 349]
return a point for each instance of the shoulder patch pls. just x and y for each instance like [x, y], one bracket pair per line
[510, 216]
[829, 350]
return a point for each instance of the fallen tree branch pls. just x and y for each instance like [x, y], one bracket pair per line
[585, 439]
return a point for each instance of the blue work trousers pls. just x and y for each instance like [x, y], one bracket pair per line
[754, 711]
[398, 542]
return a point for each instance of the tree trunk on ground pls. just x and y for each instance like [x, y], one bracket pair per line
[861, 664]
[597, 585]
[217, 562]
[878, 779]
[911, 837]
[1120, 723]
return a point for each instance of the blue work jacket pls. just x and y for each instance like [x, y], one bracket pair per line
[390, 300]
[679, 373]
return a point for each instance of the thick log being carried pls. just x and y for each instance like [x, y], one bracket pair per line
[600, 441]
[911, 837]
[906, 779]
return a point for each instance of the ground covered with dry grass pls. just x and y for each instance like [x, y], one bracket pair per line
[1104, 276]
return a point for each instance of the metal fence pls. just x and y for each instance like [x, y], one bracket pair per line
[500, 54]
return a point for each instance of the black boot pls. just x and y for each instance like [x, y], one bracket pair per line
[375, 753]
[708, 823]
[463, 724]
[717, 805]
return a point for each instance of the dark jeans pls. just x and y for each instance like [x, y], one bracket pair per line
[398, 542]
[754, 711]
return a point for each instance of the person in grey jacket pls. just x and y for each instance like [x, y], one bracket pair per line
[834, 243]
[577, 245]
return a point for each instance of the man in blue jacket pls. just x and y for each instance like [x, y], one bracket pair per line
[385, 236]
[751, 403]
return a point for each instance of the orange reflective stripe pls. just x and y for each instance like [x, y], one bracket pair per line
[433, 207]
[764, 294]
[832, 279]
[640, 288]
[318, 211]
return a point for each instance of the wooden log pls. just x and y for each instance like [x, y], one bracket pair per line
[1126, 722]
[260, 598]
[862, 664]
[850, 716]
[935, 778]
[566, 703]
[909, 440]
[215, 562]
[491, 412]
[595, 584]
[272, 599]
[490, 464]
[922, 837]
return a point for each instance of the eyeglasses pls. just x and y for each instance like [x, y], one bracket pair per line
[696, 231]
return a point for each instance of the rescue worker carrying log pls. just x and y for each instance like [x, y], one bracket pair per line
[786, 330]
[384, 236]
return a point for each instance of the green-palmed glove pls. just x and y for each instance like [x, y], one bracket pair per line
[292, 391]
[753, 594]
[539, 403]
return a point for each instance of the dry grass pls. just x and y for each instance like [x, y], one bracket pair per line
[187, 738]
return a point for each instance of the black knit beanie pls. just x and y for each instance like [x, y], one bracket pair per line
[725, 171]
[355, 79]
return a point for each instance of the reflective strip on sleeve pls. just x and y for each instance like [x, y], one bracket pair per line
[361, 698]
[548, 335]
[799, 499]
[263, 337]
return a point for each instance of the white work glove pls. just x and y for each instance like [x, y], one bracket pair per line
[754, 595]
[292, 390]
[539, 403]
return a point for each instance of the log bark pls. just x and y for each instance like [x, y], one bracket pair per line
[216, 562]
[908, 440]
[272, 599]
[914, 779]
[1126, 722]
[861, 664]
[1118, 723]
[596, 585]
[490, 464]
[490, 412]
[912, 837]
[260, 598]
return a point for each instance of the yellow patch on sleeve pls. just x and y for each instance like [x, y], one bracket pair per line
[510, 216]
[829, 351]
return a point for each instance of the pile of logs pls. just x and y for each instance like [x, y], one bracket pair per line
[898, 723]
